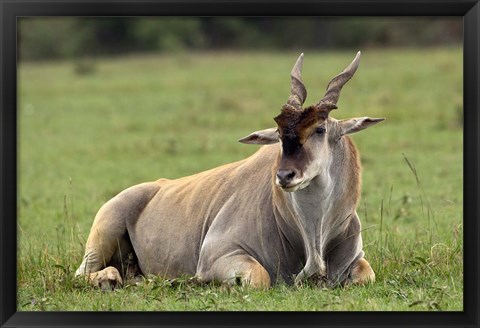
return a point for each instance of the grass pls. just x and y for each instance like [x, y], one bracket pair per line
[85, 137]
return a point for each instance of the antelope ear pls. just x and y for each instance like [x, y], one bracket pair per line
[357, 124]
[262, 137]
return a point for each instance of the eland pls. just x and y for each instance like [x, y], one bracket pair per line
[285, 214]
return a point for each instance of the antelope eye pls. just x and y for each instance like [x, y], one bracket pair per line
[320, 130]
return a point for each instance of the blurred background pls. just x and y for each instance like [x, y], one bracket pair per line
[71, 37]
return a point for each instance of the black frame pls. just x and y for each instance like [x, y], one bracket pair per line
[10, 10]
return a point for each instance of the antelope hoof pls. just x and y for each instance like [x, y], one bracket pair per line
[362, 273]
[106, 279]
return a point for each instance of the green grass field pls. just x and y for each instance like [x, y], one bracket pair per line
[85, 137]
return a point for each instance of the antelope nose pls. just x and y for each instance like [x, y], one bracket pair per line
[285, 177]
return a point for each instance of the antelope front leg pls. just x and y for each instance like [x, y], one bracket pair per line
[345, 257]
[362, 273]
[241, 268]
[314, 270]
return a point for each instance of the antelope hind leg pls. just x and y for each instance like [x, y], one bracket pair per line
[106, 279]
[106, 236]
[108, 242]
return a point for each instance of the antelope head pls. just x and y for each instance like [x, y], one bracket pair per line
[309, 135]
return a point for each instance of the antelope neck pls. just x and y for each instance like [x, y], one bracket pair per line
[309, 210]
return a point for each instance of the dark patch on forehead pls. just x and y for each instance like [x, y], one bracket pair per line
[290, 146]
[296, 125]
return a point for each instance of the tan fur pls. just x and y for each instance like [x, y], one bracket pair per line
[256, 276]
[353, 183]
[362, 273]
[106, 279]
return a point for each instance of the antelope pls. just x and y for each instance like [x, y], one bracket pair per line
[285, 214]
